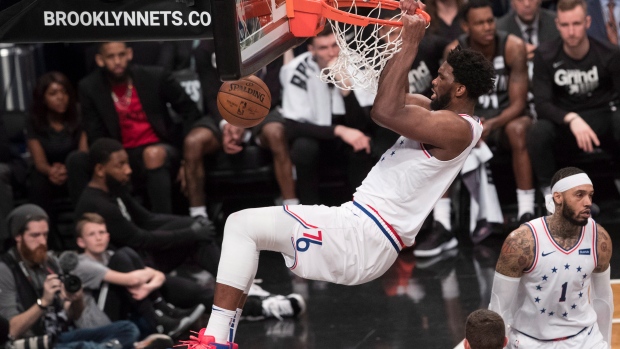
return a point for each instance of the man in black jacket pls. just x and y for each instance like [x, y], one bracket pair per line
[576, 85]
[130, 104]
[168, 240]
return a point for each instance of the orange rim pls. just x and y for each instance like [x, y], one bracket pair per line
[259, 8]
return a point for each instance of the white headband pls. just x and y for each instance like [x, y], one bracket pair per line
[563, 185]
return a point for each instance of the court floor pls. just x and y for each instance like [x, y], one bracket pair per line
[416, 304]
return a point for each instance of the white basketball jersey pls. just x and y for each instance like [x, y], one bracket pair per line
[406, 183]
[553, 300]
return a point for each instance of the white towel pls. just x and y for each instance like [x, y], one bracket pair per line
[477, 178]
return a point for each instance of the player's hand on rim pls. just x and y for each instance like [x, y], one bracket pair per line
[414, 25]
[408, 7]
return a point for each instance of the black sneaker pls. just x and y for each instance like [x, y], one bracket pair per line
[482, 231]
[174, 327]
[438, 240]
[177, 313]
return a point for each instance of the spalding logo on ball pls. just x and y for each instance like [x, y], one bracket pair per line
[245, 102]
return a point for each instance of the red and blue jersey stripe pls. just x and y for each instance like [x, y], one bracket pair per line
[384, 226]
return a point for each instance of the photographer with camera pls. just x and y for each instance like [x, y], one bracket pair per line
[34, 294]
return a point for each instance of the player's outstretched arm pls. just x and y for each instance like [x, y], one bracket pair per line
[602, 295]
[393, 82]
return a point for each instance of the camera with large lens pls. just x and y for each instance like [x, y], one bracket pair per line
[72, 283]
[68, 260]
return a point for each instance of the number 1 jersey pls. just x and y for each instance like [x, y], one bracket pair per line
[553, 300]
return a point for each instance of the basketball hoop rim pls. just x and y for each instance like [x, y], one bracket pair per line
[335, 14]
[308, 16]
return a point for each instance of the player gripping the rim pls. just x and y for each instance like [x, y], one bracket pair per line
[358, 241]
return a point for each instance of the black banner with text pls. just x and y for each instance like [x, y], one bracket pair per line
[105, 20]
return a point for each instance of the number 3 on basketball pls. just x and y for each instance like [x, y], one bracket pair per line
[303, 244]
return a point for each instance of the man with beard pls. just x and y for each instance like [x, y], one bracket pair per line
[34, 299]
[552, 283]
[167, 240]
[359, 240]
[129, 103]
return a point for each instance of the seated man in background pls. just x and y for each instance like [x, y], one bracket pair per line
[577, 89]
[130, 287]
[168, 240]
[230, 139]
[531, 23]
[35, 300]
[129, 103]
[534, 25]
[315, 117]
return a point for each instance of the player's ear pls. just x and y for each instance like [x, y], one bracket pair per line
[460, 90]
[557, 198]
[466, 344]
[505, 341]
[588, 22]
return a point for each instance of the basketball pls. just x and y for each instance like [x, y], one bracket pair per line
[245, 102]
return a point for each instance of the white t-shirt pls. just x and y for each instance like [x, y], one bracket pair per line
[305, 98]
[91, 271]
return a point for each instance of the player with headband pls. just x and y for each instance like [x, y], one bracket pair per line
[552, 283]
[358, 241]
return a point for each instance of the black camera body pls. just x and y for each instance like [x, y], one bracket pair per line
[72, 283]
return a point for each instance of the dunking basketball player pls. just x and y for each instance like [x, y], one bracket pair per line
[551, 282]
[358, 241]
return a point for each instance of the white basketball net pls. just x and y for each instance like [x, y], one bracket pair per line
[364, 52]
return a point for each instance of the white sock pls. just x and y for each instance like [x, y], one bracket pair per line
[525, 201]
[545, 191]
[198, 211]
[219, 325]
[234, 326]
[441, 212]
[294, 201]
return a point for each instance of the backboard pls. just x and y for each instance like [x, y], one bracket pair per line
[248, 34]
[258, 34]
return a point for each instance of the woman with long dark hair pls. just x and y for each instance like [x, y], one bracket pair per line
[54, 131]
[444, 18]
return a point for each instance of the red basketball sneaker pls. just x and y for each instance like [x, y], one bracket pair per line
[205, 342]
